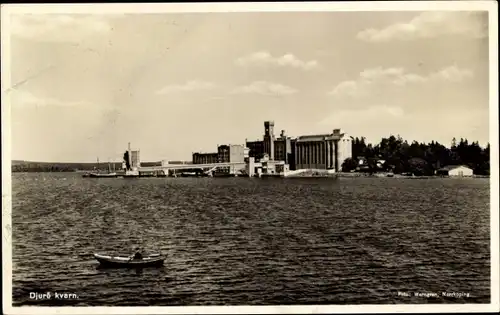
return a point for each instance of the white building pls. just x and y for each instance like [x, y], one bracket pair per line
[455, 170]
[325, 151]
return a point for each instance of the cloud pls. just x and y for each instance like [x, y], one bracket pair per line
[364, 114]
[24, 99]
[189, 86]
[376, 117]
[370, 78]
[430, 25]
[265, 58]
[265, 88]
[351, 88]
[60, 27]
[453, 73]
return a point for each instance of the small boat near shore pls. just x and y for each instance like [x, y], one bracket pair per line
[152, 260]
[98, 174]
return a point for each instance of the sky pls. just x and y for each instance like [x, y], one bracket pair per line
[83, 86]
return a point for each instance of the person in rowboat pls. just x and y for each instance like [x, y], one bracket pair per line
[137, 255]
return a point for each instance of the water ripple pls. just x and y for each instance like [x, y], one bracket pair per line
[245, 241]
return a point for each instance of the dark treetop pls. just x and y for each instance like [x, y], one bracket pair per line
[399, 156]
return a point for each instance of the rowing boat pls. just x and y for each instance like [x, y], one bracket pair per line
[152, 260]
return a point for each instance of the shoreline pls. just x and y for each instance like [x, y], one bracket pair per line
[384, 175]
[299, 175]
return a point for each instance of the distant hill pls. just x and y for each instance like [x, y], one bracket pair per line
[31, 166]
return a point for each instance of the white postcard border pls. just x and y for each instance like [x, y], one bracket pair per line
[128, 8]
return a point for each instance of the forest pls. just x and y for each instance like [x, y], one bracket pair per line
[27, 166]
[416, 158]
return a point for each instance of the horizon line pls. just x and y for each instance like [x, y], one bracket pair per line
[183, 160]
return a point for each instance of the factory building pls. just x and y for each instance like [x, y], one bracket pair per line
[326, 151]
[132, 158]
[322, 151]
[225, 154]
[246, 154]
[269, 139]
[205, 158]
[283, 150]
[231, 153]
[135, 159]
[256, 149]
[272, 148]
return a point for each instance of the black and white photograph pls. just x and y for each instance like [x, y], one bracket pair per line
[293, 157]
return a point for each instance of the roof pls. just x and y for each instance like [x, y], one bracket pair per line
[254, 141]
[451, 167]
[320, 137]
[230, 145]
[205, 153]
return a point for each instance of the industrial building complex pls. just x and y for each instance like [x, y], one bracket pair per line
[307, 155]
[271, 156]
[276, 155]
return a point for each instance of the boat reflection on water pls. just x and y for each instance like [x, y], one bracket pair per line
[139, 271]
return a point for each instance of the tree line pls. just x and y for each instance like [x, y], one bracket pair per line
[397, 155]
[27, 166]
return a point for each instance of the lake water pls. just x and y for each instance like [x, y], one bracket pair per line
[231, 241]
